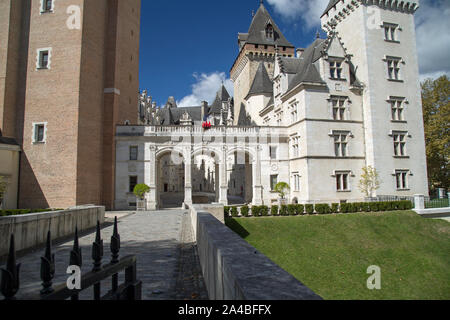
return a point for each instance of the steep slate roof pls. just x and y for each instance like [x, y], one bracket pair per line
[307, 71]
[289, 65]
[331, 4]
[221, 96]
[171, 116]
[256, 33]
[261, 83]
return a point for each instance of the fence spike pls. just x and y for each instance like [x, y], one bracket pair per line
[9, 284]
[76, 258]
[47, 267]
[115, 243]
[97, 250]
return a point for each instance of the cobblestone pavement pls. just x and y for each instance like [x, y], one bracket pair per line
[167, 260]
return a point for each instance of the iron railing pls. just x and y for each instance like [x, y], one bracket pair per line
[130, 290]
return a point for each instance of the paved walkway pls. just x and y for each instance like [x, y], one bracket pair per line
[167, 259]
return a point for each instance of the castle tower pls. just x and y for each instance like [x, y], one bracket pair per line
[256, 46]
[69, 77]
[380, 36]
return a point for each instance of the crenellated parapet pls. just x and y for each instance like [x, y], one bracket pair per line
[338, 10]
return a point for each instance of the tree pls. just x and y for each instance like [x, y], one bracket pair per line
[282, 188]
[436, 114]
[140, 190]
[370, 181]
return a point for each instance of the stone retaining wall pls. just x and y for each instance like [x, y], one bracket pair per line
[31, 230]
[234, 270]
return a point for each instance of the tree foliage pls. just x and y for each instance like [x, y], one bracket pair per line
[370, 181]
[140, 190]
[436, 112]
[282, 188]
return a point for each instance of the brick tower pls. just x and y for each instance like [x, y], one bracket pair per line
[68, 78]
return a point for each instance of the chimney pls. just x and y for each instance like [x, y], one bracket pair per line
[204, 108]
[300, 52]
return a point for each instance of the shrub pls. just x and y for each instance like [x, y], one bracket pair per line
[365, 207]
[309, 209]
[264, 210]
[346, 207]
[226, 211]
[292, 209]
[284, 210]
[274, 210]
[300, 209]
[323, 209]
[356, 207]
[245, 210]
[234, 212]
[335, 208]
[140, 190]
[374, 206]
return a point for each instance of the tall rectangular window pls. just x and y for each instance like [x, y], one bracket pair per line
[401, 177]
[132, 183]
[340, 144]
[399, 144]
[342, 181]
[273, 181]
[296, 182]
[273, 152]
[39, 133]
[336, 69]
[389, 32]
[393, 65]
[44, 60]
[397, 109]
[48, 5]
[295, 147]
[338, 108]
[134, 153]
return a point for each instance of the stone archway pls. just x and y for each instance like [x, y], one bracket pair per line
[205, 176]
[241, 176]
[170, 179]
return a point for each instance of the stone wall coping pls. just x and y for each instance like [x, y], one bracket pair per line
[247, 272]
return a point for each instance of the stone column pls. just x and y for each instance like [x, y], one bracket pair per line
[223, 180]
[257, 186]
[419, 202]
[150, 177]
[187, 178]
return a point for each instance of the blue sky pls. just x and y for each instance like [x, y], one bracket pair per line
[188, 47]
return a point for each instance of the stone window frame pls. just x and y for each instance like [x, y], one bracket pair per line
[400, 149]
[272, 184]
[296, 177]
[293, 110]
[398, 107]
[39, 57]
[404, 183]
[130, 183]
[346, 107]
[276, 152]
[43, 9]
[295, 146]
[338, 174]
[394, 64]
[34, 133]
[137, 153]
[339, 133]
[391, 36]
[333, 65]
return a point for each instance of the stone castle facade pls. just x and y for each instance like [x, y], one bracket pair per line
[312, 117]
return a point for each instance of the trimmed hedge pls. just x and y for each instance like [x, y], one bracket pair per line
[245, 211]
[300, 209]
[292, 209]
[335, 208]
[274, 211]
[18, 212]
[264, 210]
[284, 211]
[234, 212]
[309, 209]
[323, 209]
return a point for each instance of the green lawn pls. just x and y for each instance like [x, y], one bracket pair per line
[331, 253]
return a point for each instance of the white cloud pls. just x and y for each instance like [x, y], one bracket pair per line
[309, 11]
[433, 39]
[205, 89]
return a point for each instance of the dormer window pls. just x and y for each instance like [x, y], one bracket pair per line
[336, 69]
[269, 31]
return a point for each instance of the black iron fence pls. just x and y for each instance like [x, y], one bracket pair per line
[130, 290]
